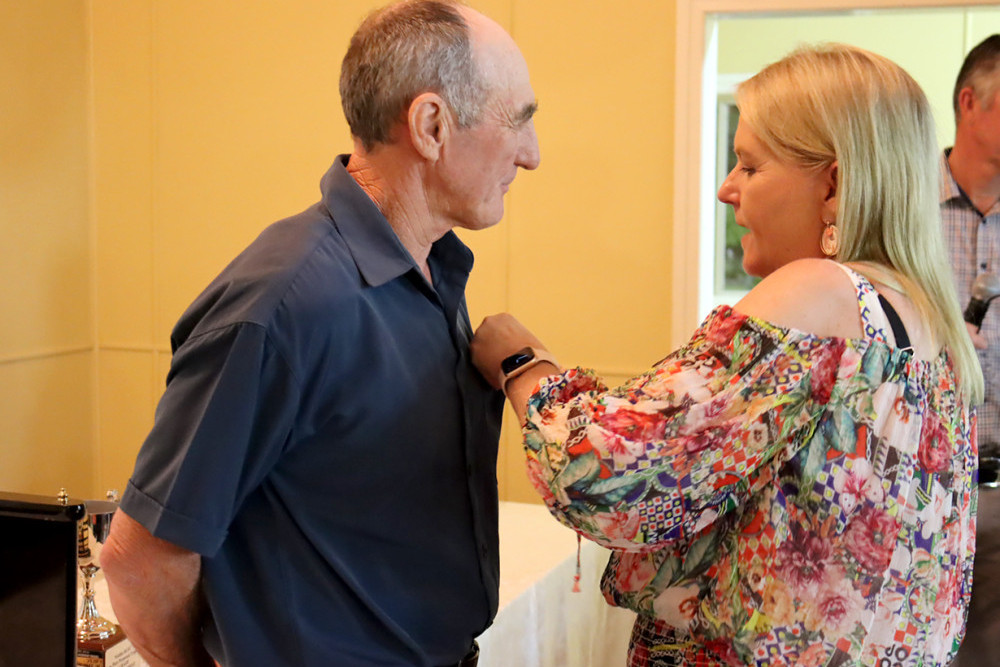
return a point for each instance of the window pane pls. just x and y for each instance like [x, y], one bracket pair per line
[728, 234]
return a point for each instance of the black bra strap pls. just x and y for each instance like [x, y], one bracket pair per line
[898, 330]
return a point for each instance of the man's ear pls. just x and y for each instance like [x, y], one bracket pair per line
[966, 101]
[429, 123]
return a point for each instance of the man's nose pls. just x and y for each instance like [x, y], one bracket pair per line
[529, 156]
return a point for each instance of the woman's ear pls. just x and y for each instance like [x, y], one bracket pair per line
[429, 123]
[830, 198]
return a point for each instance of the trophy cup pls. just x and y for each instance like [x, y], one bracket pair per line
[100, 643]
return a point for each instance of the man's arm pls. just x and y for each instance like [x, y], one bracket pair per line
[153, 586]
[978, 340]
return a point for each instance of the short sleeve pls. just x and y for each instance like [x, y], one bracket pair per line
[222, 423]
[671, 451]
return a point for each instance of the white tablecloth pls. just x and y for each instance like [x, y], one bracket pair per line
[541, 622]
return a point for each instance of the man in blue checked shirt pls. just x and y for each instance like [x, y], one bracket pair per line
[970, 213]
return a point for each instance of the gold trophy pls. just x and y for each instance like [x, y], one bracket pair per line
[99, 642]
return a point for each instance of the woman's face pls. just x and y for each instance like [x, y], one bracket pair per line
[781, 205]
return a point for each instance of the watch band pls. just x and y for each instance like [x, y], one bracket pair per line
[521, 361]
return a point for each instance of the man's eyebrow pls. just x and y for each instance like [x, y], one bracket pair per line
[527, 112]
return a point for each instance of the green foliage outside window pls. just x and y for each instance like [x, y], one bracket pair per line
[734, 277]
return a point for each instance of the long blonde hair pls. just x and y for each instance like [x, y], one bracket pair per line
[838, 103]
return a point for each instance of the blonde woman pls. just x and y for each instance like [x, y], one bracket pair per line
[794, 485]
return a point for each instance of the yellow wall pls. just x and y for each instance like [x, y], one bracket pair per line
[589, 232]
[144, 142]
[214, 119]
[46, 319]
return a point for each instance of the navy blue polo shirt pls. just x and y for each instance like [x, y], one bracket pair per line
[327, 446]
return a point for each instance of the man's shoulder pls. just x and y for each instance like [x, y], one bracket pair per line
[307, 242]
[284, 246]
[292, 265]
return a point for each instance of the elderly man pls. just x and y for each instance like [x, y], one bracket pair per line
[970, 212]
[319, 486]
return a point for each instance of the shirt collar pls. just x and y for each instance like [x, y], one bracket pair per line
[377, 251]
[951, 190]
[949, 186]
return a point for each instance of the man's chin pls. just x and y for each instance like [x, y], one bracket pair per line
[484, 221]
[484, 225]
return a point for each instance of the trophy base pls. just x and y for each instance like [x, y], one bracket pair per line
[115, 651]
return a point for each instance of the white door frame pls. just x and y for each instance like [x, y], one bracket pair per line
[689, 67]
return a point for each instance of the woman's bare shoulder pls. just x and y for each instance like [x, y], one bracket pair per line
[811, 295]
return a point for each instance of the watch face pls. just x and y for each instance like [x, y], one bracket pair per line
[516, 360]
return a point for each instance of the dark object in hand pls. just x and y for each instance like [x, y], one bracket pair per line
[984, 289]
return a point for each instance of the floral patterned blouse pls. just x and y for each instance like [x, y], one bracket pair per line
[772, 497]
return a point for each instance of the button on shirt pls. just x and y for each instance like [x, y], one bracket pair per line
[326, 444]
[974, 245]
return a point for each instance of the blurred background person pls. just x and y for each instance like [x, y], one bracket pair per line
[795, 484]
[970, 213]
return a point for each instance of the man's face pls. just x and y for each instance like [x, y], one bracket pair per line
[983, 121]
[480, 162]
[977, 129]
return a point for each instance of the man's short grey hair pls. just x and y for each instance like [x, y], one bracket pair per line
[981, 72]
[400, 52]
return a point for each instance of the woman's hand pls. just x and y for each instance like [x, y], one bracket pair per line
[498, 337]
